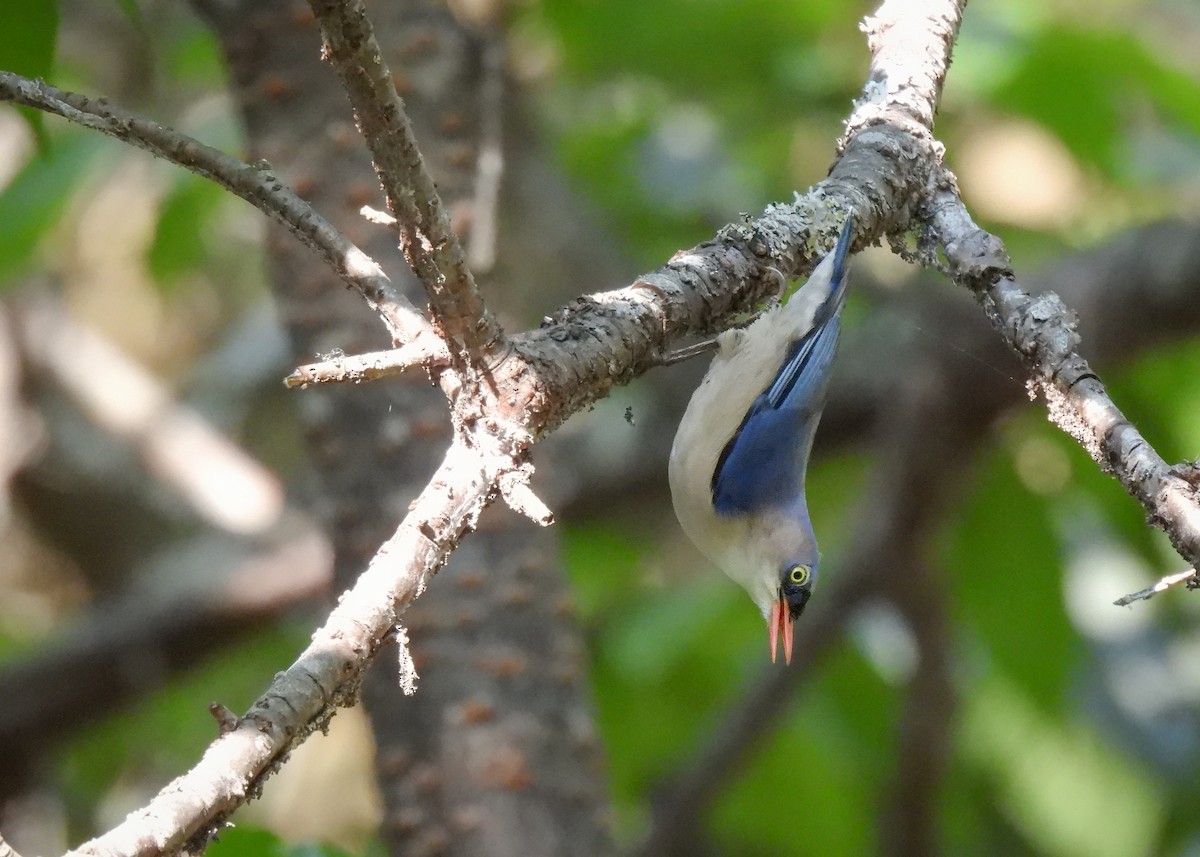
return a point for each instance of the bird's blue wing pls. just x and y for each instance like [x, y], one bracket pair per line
[802, 377]
[763, 464]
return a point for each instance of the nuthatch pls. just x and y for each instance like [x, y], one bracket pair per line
[739, 458]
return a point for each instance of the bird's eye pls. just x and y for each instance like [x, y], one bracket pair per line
[799, 574]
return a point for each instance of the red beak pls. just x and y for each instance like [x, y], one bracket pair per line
[781, 626]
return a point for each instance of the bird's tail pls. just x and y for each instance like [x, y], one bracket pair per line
[837, 274]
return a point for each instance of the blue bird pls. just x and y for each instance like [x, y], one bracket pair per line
[739, 458]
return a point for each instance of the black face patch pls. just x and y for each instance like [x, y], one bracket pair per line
[796, 586]
[796, 597]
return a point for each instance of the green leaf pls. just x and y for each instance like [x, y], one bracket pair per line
[1004, 556]
[603, 564]
[27, 40]
[814, 787]
[179, 244]
[195, 58]
[661, 38]
[1086, 84]
[632, 69]
[34, 201]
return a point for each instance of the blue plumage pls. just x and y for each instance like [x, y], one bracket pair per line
[738, 463]
[763, 464]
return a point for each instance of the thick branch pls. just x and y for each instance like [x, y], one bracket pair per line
[255, 183]
[910, 47]
[887, 161]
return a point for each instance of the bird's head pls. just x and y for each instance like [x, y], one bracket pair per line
[776, 562]
[796, 580]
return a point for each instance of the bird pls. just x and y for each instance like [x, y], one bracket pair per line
[738, 463]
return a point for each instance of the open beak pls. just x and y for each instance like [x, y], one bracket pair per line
[781, 626]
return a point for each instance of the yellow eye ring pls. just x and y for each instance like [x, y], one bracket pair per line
[799, 575]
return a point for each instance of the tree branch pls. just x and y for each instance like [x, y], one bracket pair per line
[1042, 331]
[429, 244]
[255, 183]
[910, 46]
[356, 368]
[220, 482]
[910, 53]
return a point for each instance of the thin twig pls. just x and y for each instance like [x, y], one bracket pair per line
[426, 237]
[1190, 577]
[489, 167]
[355, 368]
[380, 218]
[256, 183]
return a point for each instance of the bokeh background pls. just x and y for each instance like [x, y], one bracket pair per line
[151, 456]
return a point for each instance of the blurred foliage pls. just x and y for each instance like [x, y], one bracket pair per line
[35, 200]
[1088, 87]
[1076, 730]
[27, 47]
[186, 210]
[243, 841]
